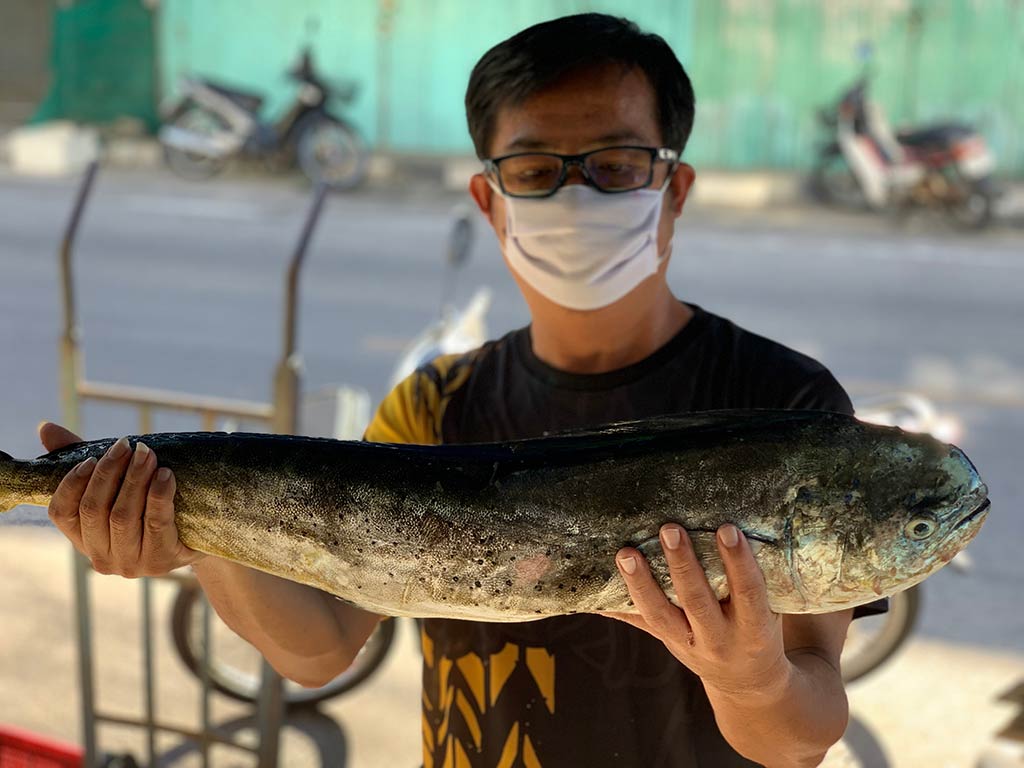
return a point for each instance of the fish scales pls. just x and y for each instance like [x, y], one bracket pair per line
[838, 512]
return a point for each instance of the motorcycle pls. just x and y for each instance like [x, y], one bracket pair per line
[945, 166]
[209, 123]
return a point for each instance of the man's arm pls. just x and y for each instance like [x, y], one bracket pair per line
[772, 681]
[307, 635]
[796, 724]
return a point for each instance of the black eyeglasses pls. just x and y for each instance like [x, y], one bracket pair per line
[609, 169]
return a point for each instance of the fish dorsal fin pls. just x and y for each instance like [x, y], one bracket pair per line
[735, 419]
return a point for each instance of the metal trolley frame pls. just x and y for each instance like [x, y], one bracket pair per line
[281, 417]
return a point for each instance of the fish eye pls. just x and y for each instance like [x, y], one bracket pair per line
[920, 528]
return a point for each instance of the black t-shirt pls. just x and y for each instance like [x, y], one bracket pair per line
[580, 690]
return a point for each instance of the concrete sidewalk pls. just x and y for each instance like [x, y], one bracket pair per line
[935, 706]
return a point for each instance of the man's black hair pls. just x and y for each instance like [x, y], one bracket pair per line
[514, 70]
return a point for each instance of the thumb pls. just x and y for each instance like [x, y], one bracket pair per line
[54, 436]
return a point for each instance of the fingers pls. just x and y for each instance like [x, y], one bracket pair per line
[54, 436]
[63, 509]
[748, 596]
[118, 511]
[663, 618]
[695, 595]
[97, 501]
[126, 514]
[162, 550]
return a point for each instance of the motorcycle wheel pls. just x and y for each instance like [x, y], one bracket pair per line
[331, 152]
[973, 209]
[191, 165]
[235, 666]
[832, 182]
[872, 640]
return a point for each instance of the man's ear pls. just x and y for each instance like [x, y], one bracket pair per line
[489, 203]
[481, 193]
[680, 184]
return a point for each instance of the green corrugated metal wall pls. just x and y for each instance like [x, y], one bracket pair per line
[761, 68]
[103, 62]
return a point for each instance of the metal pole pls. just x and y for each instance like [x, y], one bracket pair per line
[70, 362]
[70, 367]
[286, 379]
[269, 716]
[83, 617]
[149, 672]
[204, 678]
[285, 422]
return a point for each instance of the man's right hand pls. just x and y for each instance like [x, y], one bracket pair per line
[119, 511]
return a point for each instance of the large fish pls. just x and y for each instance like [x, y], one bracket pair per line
[838, 512]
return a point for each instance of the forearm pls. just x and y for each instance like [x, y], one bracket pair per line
[305, 634]
[793, 726]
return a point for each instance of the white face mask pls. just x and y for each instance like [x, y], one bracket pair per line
[581, 248]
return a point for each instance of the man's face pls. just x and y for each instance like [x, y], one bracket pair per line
[592, 109]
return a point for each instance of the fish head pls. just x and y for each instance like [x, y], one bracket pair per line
[929, 525]
[893, 535]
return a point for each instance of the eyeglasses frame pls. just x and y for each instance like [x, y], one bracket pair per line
[657, 154]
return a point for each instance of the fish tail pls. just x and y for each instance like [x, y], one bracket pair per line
[12, 486]
[6, 502]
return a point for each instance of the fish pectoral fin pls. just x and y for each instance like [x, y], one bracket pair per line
[704, 547]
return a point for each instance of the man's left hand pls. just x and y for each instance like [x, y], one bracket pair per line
[734, 646]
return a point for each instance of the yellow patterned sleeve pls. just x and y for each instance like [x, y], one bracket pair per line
[412, 411]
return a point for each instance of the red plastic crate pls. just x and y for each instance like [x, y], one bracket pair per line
[21, 749]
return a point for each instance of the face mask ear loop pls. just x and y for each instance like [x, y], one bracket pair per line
[493, 185]
[673, 167]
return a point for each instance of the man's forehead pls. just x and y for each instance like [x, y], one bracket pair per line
[580, 112]
[529, 141]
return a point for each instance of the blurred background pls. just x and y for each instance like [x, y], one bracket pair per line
[859, 197]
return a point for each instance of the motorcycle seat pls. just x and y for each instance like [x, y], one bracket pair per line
[247, 100]
[942, 135]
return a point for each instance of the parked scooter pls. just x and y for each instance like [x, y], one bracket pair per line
[944, 166]
[207, 124]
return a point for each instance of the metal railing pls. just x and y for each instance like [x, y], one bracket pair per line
[280, 417]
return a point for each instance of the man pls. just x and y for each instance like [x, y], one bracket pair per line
[580, 122]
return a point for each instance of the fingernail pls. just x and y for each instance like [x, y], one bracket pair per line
[118, 449]
[141, 454]
[670, 537]
[628, 564]
[41, 424]
[730, 535]
[163, 475]
[85, 467]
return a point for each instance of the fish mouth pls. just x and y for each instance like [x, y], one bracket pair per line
[979, 510]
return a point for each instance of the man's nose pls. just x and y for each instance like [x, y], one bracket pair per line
[574, 174]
